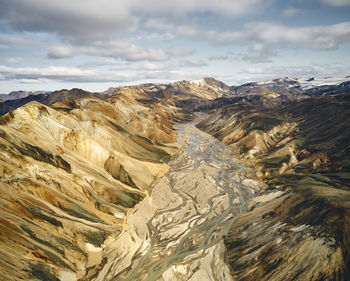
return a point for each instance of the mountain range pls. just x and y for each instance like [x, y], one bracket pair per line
[75, 166]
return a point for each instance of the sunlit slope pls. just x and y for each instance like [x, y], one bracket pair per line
[69, 174]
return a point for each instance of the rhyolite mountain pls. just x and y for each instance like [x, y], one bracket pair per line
[74, 164]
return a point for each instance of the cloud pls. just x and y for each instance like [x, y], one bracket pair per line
[192, 63]
[10, 40]
[336, 3]
[60, 52]
[120, 74]
[76, 20]
[218, 58]
[289, 12]
[316, 37]
[180, 8]
[82, 20]
[15, 60]
[254, 74]
[180, 52]
[125, 50]
[259, 53]
[295, 71]
[264, 39]
[116, 49]
[53, 72]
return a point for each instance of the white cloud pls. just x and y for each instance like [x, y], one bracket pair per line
[227, 8]
[192, 63]
[259, 53]
[296, 71]
[116, 49]
[264, 38]
[120, 74]
[15, 60]
[316, 37]
[85, 20]
[180, 52]
[289, 12]
[125, 50]
[53, 72]
[218, 58]
[337, 3]
[9, 40]
[60, 52]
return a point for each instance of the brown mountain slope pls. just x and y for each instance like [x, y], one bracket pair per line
[47, 98]
[69, 174]
[297, 229]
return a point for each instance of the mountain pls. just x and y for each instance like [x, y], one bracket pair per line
[294, 86]
[203, 94]
[46, 98]
[301, 150]
[20, 94]
[118, 184]
[206, 88]
[69, 175]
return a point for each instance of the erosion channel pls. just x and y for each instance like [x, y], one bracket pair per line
[176, 232]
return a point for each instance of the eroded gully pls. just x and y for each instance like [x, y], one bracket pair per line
[180, 227]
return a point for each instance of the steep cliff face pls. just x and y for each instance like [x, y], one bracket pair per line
[69, 174]
[302, 152]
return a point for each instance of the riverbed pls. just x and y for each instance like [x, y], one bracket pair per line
[176, 232]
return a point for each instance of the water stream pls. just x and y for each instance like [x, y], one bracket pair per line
[211, 190]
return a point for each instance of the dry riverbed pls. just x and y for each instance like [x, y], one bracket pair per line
[176, 233]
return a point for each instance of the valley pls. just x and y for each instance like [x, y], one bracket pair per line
[179, 228]
[192, 180]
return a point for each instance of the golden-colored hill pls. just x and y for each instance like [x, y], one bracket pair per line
[69, 173]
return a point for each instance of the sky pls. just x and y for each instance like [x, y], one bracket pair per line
[97, 44]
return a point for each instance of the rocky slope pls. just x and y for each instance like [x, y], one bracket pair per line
[69, 175]
[301, 151]
[49, 98]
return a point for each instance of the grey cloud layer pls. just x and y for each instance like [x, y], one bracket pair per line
[85, 20]
[337, 3]
[118, 73]
[131, 40]
[102, 28]
[319, 37]
[116, 49]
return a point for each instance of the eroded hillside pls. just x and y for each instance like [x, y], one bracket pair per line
[69, 174]
[301, 151]
[84, 196]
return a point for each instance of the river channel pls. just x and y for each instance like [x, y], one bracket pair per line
[180, 227]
